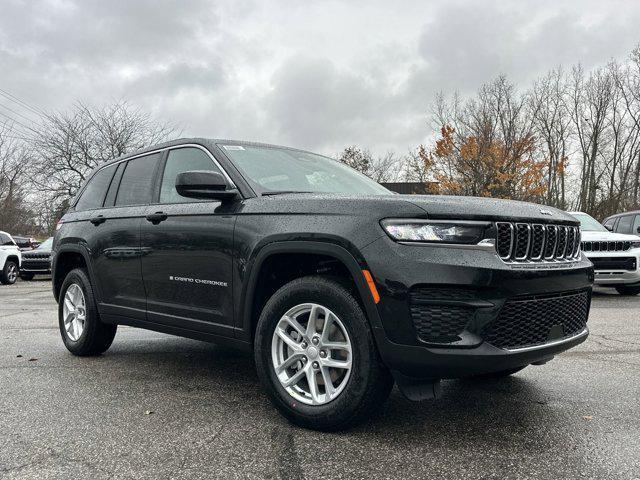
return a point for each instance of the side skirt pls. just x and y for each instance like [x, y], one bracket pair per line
[180, 332]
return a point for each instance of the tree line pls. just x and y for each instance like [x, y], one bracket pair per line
[570, 140]
[44, 163]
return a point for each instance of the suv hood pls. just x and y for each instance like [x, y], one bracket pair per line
[608, 237]
[419, 206]
[443, 206]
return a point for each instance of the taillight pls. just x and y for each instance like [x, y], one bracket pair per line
[59, 224]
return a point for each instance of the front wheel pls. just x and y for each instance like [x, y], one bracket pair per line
[316, 356]
[26, 276]
[9, 273]
[628, 290]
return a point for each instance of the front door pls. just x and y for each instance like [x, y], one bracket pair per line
[187, 246]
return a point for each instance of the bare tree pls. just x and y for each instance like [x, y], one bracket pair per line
[552, 124]
[418, 165]
[627, 80]
[589, 101]
[15, 213]
[71, 144]
[381, 169]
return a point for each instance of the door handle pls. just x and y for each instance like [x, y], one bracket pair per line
[98, 220]
[157, 217]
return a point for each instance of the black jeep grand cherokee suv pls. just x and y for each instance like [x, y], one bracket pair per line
[338, 286]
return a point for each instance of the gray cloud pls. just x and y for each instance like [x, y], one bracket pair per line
[319, 76]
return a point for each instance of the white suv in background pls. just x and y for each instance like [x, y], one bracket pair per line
[615, 256]
[10, 259]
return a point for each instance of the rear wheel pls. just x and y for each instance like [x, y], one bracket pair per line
[82, 331]
[9, 273]
[316, 356]
[628, 290]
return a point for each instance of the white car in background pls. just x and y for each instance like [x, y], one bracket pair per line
[615, 256]
[10, 259]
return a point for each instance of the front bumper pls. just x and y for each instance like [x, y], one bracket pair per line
[35, 265]
[472, 286]
[436, 363]
[616, 268]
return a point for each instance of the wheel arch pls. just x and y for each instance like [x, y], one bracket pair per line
[15, 258]
[66, 258]
[249, 314]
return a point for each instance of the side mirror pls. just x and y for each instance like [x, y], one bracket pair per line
[638, 230]
[609, 227]
[204, 184]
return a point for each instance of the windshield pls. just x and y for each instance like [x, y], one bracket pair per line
[46, 245]
[273, 170]
[588, 223]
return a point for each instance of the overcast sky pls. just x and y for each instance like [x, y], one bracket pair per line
[317, 75]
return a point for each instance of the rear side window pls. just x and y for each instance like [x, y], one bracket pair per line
[624, 225]
[183, 160]
[136, 186]
[113, 188]
[5, 240]
[93, 194]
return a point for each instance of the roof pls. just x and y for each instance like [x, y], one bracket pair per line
[206, 142]
[630, 212]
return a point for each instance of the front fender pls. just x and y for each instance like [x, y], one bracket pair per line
[353, 261]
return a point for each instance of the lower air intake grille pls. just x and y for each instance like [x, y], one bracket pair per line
[525, 322]
[440, 324]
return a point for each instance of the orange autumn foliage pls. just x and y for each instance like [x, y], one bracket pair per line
[486, 167]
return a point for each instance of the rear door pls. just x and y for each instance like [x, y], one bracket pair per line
[115, 244]
[187, 262]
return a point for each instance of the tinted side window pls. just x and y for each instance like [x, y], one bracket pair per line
[182, 160]
[624, 225]
[93, 194]
[136, 186]
[113, 188]
[610, 223]
[636, 226]
[5, 240]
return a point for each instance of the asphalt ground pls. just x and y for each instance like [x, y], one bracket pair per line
[157, 406]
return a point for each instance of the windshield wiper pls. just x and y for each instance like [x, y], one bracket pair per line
[282, 192]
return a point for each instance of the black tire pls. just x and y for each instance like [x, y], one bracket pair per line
[27, 276]
[369, 383]
[501, 373]
[628, 290]
[9, 273]
[96, 336]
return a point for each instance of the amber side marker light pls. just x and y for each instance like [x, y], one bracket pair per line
[372, 285]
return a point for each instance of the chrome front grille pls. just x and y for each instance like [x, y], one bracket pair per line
[535, 242]
[606, 246]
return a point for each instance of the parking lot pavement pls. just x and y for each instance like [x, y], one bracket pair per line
[156, 406]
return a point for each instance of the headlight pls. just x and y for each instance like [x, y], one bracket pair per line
[441, 231]
[635, 244]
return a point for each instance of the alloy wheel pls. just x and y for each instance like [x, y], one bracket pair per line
[12, 273]
[74, 311]
[311, 354]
